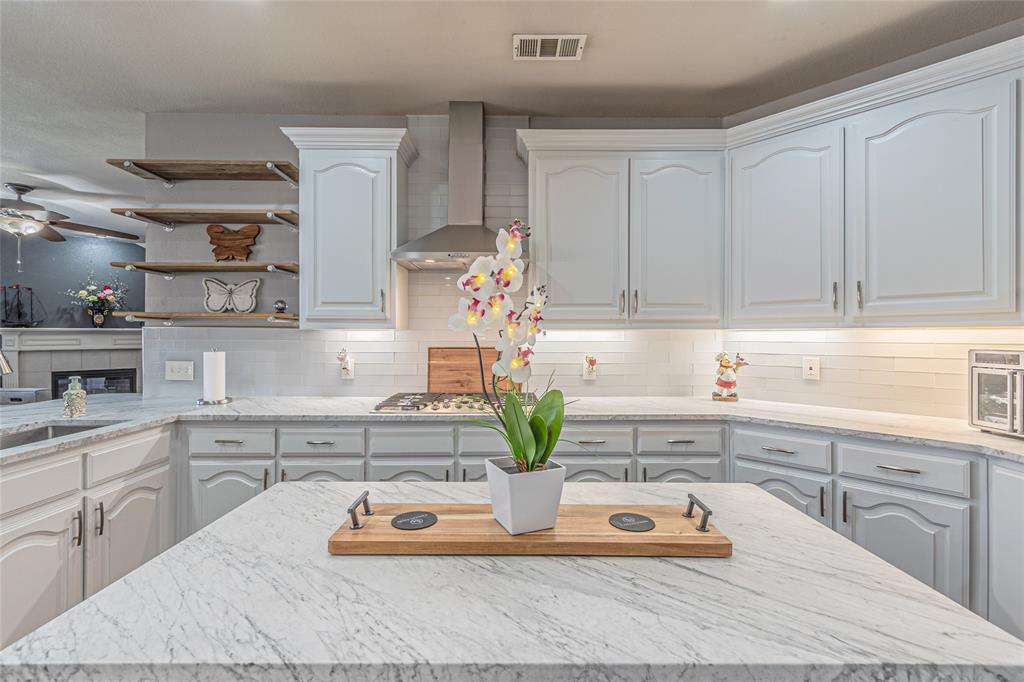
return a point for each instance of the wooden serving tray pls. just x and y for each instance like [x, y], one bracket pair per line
[582, 530]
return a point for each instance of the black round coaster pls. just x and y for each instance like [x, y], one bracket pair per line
[414, 520]
[635, 523]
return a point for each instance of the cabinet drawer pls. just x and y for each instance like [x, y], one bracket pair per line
[38, 481]
[583, 469]
[233, 441]
[595, 441]
[796, 451]
[321, 469]
[683, 440]
[910, 469]
[410, 469]
[688, 470]
[809, 493]
[106, 461]
[320, 441]
[412, 441]
[481, 442]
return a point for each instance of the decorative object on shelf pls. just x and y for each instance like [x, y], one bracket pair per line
[589, 368]
[214, 378]
[725, 382]
[221, 297]
[526, 488]
[74, 398]
[99, 298]
[280, 305]
[15, 314]
[231, 244]
[346, 364]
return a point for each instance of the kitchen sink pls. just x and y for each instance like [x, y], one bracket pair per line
[36, 435]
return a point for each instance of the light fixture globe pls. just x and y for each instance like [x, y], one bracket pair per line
[18, 224]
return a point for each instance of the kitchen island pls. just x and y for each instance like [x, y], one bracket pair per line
[254, 595]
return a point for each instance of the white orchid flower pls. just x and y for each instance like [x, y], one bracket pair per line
[533, 329]
[479, 281]
[508, 274]
[511, 334]
[496, 307]
[470, 317]
[510, 244]
[514, 364]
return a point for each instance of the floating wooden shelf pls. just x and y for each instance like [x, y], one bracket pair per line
[170, 267]
[132, 316]
[170, 171]
[170, 217]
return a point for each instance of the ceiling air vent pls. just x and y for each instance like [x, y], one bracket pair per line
[554, 47]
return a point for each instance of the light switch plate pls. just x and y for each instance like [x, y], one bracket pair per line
[812, 369]
[179, 370]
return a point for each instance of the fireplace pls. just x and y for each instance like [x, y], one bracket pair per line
[95, 381]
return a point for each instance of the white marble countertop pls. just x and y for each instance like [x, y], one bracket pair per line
[128, 413]
[255, 596]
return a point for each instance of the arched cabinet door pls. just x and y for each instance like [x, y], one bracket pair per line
[681, 470]
[326, 469]
[217, 487]
[930, 204]
[807, 492]
[927, 537]
[410, 469]
[602, 470]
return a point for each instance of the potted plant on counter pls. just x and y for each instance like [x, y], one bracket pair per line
[526, 486]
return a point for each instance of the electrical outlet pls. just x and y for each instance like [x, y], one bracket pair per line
[812, 369]
[179, 370]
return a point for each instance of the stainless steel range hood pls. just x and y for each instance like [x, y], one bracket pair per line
[456, 245]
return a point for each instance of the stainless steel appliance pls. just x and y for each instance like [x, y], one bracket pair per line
[997, 391]
[443, 403]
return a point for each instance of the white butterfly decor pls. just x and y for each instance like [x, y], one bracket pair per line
[221, 297]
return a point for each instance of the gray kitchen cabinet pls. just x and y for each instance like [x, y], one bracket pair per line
[807, 492]
[127, 523]
[411, 469]
[218, 486]
[599, 469]
[925, 536]
[679, 469]
[1006, 546]
[321, 469]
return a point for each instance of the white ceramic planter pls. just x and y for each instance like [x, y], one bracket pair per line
[523, 502]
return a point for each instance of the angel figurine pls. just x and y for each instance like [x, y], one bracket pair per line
[725, 383]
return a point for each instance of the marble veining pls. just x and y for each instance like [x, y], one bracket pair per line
[255, 596]
[129, 413]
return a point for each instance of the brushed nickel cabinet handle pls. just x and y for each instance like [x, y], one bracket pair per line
[596, 441]
[319, 442]
[228, 441]
[636, 300]
[383, 301]
[893, 467]
[463, 474]
[622, 302]
[844, 507]
[625, 474]
[284, 474]
[447, 475]
[77, 539]
[860, 295]
[835, 295]
[103, 519]
[784, 451]
[821, 501]
[680, 441]
[266, 477]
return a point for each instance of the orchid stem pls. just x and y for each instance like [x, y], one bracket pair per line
[483, 380]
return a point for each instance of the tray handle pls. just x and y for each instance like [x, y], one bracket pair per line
[705, 515]
[353, 509]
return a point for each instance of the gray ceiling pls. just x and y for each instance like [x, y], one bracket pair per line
[76, 78]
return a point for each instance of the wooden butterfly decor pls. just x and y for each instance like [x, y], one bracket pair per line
[221, 297]
[231, 244]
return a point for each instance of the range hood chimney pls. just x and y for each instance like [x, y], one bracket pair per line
[456, 245]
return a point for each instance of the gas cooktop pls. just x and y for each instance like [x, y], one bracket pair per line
[451, 403]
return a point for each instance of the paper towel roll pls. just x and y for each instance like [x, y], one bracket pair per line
[214, 368]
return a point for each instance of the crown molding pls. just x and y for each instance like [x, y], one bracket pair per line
[377, 139]
[535, 139]
[988, 61]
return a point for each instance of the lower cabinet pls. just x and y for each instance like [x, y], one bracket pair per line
[1006, 547]
[582, 469]
[321, 470]
[41, 567]
[926, 537]
[127, 525]
[410, 469]
[218, 486]
[681, 470]
[799, 489]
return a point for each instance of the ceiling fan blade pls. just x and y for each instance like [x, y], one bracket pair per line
[50, 234]
[77, 227]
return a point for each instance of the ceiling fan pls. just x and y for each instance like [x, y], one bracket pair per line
[24, 219]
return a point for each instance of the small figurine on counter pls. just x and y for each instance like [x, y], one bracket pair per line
[347, 364]
[74, 398]
[589, 368]
[725, 383]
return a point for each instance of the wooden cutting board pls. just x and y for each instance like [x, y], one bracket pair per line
[582, 530]
[457, 370]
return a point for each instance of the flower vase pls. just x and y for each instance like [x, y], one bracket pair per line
[97, 317]
[523, 502]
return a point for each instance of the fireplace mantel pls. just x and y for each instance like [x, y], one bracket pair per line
[22, 345]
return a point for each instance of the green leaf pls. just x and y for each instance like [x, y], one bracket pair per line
[518, 430]
[540, 436]
[550, 408]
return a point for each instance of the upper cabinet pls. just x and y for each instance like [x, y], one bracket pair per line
[931, 204]
[627, 225]
[351, 218]
[787, 227]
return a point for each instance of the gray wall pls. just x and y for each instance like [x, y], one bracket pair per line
[51, 268]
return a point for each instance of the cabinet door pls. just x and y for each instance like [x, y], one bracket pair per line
[344, 238]
[681, 470]
[40, 568]
[787, 227]
[675, 237]
[930, 204]
[217, 487]
[579, 248]
[322, 469]
[1006, 547]
[583, 469]
[410, 469]
[800, 490]
[925, 537]
[128, 525]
